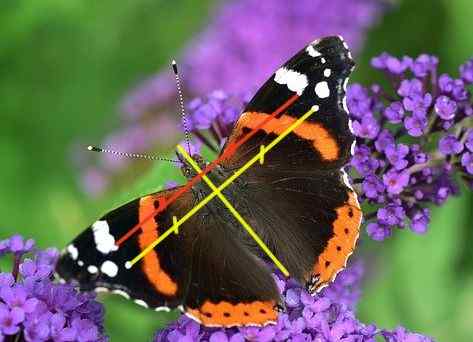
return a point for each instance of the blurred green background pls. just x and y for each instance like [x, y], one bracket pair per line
[65, 65]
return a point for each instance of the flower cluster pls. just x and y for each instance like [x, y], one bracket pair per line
[33, 308]
[413, 140]
[328, 316]
[239, 49]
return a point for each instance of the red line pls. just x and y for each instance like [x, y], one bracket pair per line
[227, 153]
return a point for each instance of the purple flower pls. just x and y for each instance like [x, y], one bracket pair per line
[358, 101]
[391, 64]
[373, 187]
[18, 245]
[420, 220]
[391, 215]
[410, 88]
[385, 140]
[417, 104]
[17, 297]
[416, 124]
[445, 107]
[394, 112]
[423, 65]
[10, 319]
[400, 172]
[395, 182]
[453, 87]
[449, 144]
[396, 155]
[466, 71]
[377, 231]
[469, 139]
[31, 304]
[327, 316]
[467, 162]
[400, 334]
[368, 127]
[363, 162]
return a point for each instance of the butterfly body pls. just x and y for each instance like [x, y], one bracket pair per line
[298, 201]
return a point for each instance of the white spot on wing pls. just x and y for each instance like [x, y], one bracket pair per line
[327, 72]
[352, 148]
[295, 81]
[109, 268]
[312, 51]
[104, 241]
[101, 290]
[73, 251]
[80, 263]
[92, 269]
[323, 60]
[322, 90]
[121, 293]
[162, 308]
[141, 303]
[344, 103]
[346, 180]
[345, 83]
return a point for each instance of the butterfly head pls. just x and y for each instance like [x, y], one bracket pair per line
[186, 168]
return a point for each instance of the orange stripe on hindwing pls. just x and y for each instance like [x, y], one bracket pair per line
[346, 229]
[228, 314]
[149, 232]
[322, 140]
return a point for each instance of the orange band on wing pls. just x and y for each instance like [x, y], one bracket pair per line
[227, 314]
[321, 138]
[149, 232]
[341, 245]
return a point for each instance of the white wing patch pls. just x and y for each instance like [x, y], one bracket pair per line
[104, 241]
[312, 51]
[322, 90]
[109, 268]
[294, 80]
[92, 269]
[73, 251]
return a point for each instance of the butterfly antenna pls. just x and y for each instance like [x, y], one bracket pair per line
[129, 155]
[181, 105]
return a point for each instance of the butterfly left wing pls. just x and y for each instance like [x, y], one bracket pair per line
[203, 269]
[95, 262]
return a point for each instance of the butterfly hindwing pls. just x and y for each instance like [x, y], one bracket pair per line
[230, 285]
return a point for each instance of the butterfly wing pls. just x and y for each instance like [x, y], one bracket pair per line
[230, 285]
[316, 76]
[300, 199]
[95, 262]
[203, 269]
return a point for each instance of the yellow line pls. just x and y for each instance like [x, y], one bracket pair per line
[235, 212]
[229, 180]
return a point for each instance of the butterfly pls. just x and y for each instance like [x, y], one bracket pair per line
[299, 202]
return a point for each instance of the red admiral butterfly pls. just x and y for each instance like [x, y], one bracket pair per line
[299, 202]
